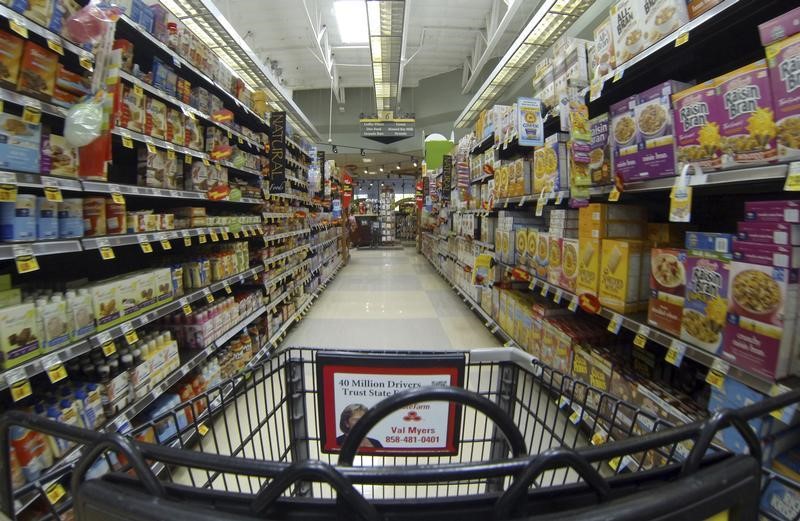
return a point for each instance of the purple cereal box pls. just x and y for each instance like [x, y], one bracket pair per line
[762, 307]
[599, 160]
[748, 127]
[766, 254]
[654, 122]
[625, 139]
[780, 28]
[771, 233]
[697, 137]
[772, 211]
[783, 59]
[703, 319]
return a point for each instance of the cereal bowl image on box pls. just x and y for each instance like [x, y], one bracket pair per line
[652, 119]
[668, 270]
[756, 294]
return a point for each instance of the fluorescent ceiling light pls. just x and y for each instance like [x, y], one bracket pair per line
[351, 17]
[367, 160]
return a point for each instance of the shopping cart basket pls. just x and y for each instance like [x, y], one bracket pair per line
[512, 439]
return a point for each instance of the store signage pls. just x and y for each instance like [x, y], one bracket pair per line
[387, 130]
[447, 177]
[321, 166]
[350, 384]
[347, 190]
[277, 153]
[420, 194]
[530, 124]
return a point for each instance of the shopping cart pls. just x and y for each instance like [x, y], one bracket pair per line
[522, 441]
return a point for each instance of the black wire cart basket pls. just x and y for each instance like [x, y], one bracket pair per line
[476, 435]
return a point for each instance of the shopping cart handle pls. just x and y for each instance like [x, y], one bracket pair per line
[430, 394]
[721, 419]
[316, 471]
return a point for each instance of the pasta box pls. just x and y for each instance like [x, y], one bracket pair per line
[625, 139]
[653, 113]
[766, 254]
[697, 136]
[769, 233]
[762, 309]
[783, 60]
[772, 211]
[747, 125]
[706, 302]
[667, 289]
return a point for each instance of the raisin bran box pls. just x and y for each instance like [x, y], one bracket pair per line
[706, 303]
[783, 59]
[599, 151]
[697, 134]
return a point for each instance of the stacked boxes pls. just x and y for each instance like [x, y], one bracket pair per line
[624, 274]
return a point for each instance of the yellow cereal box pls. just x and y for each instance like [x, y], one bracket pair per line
[621, 274]
[521, 253]
[569, 264]
[588, 266]
[533, 244]
[554, 261]
[542, 255]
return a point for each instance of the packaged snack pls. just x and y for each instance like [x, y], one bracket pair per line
[627, 23]
[19, 144]
[748, 126]
[588, 266]
[780, 28]
[10, 57]
[605, 59]
[106, 303]
[625, 139]
[621, 266]
[762, 309]
[542, 255]
[696, 129]
[667, 289]
[653, 112]
[115, 217]
[706, 302]
[783, 59]
[155, 118]
[19, 335]
[662, 17]
[38, 71]
[197, 177]
[70, 218]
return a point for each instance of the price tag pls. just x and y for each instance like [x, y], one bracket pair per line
[540, 206]
[214, 236]
[505, 204]
[186, 307]
[557, 297]
[145, 245]
[227, 288]
[55, 46]
[116, 196]
[201, 238]
[640, 340]
[138, 91]
[716, 375]
[127, 142]
[170, 153]
[187, 241]
[598, 438]
[613, 195]
[618, 74]
[18, 26]
[235, 235]
[106, 251]
[202, 430]
[787, 413]
[224, 234]
[595, 89]
[209, 295]
[165, 244]
[573, 304]
[545, 289]
[8, 193]
[559, 198]
[25, 259]
[55, 369]
[55, 493]
[575, 417]
[614, 324]
[109, 348]
[32, 115]
[86, 63]
[151, 148]
[677, 350]
[130, 334]
[52, 191]
[522, 201]
[681, 39]
[18, 383]
[187, 159]
[793, 178]
[614, 463]
[206, 162]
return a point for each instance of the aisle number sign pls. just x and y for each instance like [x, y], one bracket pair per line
[352, 383]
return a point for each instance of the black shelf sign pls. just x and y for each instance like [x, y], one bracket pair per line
[321, 165]
[387, 130]
[277, 153]
[447, 177]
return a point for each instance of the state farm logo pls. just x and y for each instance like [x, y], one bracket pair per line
[412, 416]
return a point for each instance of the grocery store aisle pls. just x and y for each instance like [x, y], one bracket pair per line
[390, 299]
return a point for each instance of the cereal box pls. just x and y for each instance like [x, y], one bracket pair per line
[10, 57]
[783, 59]
[600, 151]
[662, 17]
[767, 254]
[549, 165]
[697, 132]
[37, 75]
[667, 289]
[569, 264]
[772, 211]
[554, 260]
[706, 302]
[156, 118]
[542, 255]
[780, 28]
[605, 60]
[627, 24]
[656, 139]
[588, 266]
[747, 122]
[625, 139]
[621, 273]
[698, 7]
[131, 110]
[762, 308]
[714, 244]
[769, 233]
[532, 247]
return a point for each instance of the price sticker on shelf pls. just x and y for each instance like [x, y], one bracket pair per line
[209, 296]
[24, 258]
[116, 195]
[55, 493]
[614, 324]
[682, 39]
[8, 192]
[130, 334]
[86, 63]
[145, 245]
[151, 147]
[545, 289]
[18, 383]
[224, 234]
[558, 296]
[614, 463]
[127, 142]
[187, 159]
[54, 368]
[109, 348]
[19, 26]
[716, 374]
[55, 45]
[676, 352]
[202, 430]
[52, 191]
[613, 195]
[165, 244]
[640, 340]
[241, 141]
[540, 206]
[214, 236]
[202, 238]
[170, 153]
[573, 304]
[785, 414]
[206, 161]
[138, 90]
[618, 74]
[186, 307]
[227, 287]
[599, 438]
[235, 235]
[187, 241]
[32, 115]
[522, 201]
[792, 183]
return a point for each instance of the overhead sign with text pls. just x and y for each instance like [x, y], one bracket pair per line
[387, 130]
[351, 384]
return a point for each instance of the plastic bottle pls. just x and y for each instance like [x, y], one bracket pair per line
[32, 451]
[58, 446]
[94, 402]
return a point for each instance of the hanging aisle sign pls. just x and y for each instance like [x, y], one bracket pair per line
[447, 177]
[277, 153]
[347, 190]
[530, 124]
[420, 194]
[350, 384]
[387, 130]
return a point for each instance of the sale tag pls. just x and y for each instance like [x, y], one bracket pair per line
[18, 26]
[187, 159]
[201, 238]
[573, 304]
[165, 244]
[55, 493]
[138, 91]
[681, 39]
[575, 417]
[109, 348]
[55, 46]
[614, 463]
[55, 370]
[117, 197]
[640, 340]
[241, 141]
[130, 335]
[677, 350]
[209, 296]
[615, 324]
[540, 206]
[618, 74]
[613, 195]
[792, 183]
[235, 235]
[214, 236]
[545, 289]
[145, 245]
[25, 259]
[151, 148]
[32, 115]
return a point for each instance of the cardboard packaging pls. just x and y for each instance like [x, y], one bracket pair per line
[697, 132]
[625, 139]
[667, 289]
[590, 250]
[627, 23]
[782, 59]
[706, 302]
[570, 253]
[38, 71]
[621, 268]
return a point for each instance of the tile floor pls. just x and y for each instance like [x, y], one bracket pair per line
[390, 299]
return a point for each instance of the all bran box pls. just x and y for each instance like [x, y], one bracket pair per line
[697, 136]
[783, 60]
[747, 121]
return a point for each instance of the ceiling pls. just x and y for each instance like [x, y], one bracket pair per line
[439, 36]
[355, 164]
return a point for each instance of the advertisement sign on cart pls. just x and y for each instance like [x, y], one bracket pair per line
[350, 384]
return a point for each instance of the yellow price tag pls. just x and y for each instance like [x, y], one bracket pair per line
[138, 90]
[32, 115]
[55, 493]
[545, 290]
[209, 298]
[640, 340]
[792, 183]
[165, 244]
[187, 241]
[151, 148]
[20, 390]
[53, 194]
[202, 429]
[107, 253]
[56, 373]
[109, 348]
[170, 154]
[127, 142]
[26, 263]
[540, 206]
[214, 236]
[86, 63]
[228, 289]
[18, 28]
[55, 47]
[206, 162]
[613, 195]
[715, 378]
[598, 438]
[118, 198]
[187, 159]
[241, 141]
[614, 463]
[146, 247]
[201, 238]
[229, 134]
[618, 75]
[187, 309]
[131, 337]
[573, 305]
[681, 39]
[614, 324]
[8, 193]
[224, 235]
[235, 235]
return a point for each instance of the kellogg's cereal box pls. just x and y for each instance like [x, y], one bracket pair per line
[604, 59]
[667, 289]
[656, 139]
[569, 264]
[698, 7]
[762, 308]
[599, 151]
[747, 124]
[627, 24]
[706, 303]
[625, 139]
[783, 59]
[662, 17]
[697, 132]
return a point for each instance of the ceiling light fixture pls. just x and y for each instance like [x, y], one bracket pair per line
[366, 171]
[414, 162]
[363, 153]
[386, 22]
[398, 166]
[381, 169]
[351, 17]
[335, 149]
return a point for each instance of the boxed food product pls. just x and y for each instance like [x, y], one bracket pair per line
[762, 309]
[696, 129]
[627, 23]
[72, 82]
[162, 280]
[662, 17]
[46, 219]
[698, 7]
[10, 57]
[780, 28]
[667, 289]
[569, 264]
[39, 11]
[625, 139]
[63, 157]
[94, 216]
[554, 260]
[769, 233]
[600, 151]
[590, 250]
[656, 137]
[621, 267]
[747, 123]
[176, 133]
[37, 71]
[156, 118]
[605, 59]
[550, 173]
[704, 311]
[542, 255]
[772, 211]
[519, 178]
[173, 173]
[132, 110]
[151, 168]
[783, 58]
[19, 335]
[197, 177]
[19, 144]
[160, 72]
[521, 246]
[194, 136]
[779, 500]
[766, 254]
[106, 302]
[126, 50]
